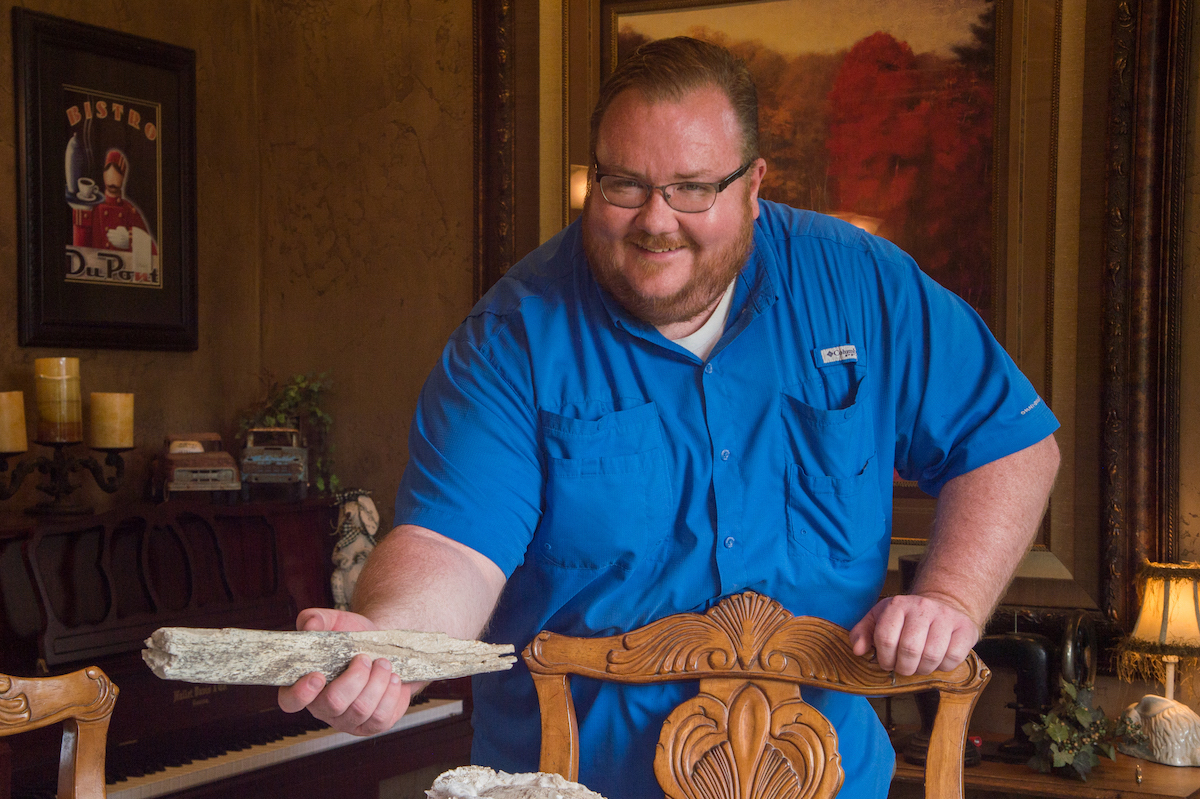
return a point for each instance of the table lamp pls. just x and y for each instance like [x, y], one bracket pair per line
[1165, 640]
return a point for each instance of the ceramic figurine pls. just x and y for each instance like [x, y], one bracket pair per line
[358, 520]
[1173, 730]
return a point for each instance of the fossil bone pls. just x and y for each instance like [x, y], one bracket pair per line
[233, 656]
[481, 781]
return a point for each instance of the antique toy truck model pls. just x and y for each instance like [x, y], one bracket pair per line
[275, 455]
[196, 462]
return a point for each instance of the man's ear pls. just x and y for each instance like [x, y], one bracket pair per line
[755, 174]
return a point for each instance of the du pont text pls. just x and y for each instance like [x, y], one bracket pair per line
[91, 265]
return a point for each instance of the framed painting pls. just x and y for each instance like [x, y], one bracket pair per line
[106, 187]
[1071, 225]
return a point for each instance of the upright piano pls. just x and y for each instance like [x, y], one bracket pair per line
[90, 590]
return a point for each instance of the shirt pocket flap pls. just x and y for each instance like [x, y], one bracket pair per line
[623, 432]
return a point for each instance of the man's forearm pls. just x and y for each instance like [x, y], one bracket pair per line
[417, 579]
[986, 520]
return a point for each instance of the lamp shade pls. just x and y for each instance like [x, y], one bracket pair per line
[1168, 627]
[1170, 614]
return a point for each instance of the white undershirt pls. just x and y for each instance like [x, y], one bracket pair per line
[703, 340]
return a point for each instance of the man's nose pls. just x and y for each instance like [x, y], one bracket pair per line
[656, 216]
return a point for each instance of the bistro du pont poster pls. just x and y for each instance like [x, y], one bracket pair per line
[112, 167]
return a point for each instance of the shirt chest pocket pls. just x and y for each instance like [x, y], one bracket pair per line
[833, 503]
[606, 499]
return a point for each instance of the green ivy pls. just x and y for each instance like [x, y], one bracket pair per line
[1072, 736]
[298, 403]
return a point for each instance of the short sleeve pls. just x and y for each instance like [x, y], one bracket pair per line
[474, 472]
[963, 401]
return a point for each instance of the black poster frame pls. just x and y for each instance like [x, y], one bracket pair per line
[89, 99]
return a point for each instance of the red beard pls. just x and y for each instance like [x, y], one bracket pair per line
[712, 271]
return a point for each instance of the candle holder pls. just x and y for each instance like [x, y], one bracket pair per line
[58, 470]
[18, 475]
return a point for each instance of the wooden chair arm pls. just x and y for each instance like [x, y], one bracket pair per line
[83, 702]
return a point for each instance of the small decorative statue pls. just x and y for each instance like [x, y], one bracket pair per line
[1173, 730]
[358, 520]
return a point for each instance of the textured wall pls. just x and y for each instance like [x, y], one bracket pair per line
[366, 129]
[334, 213]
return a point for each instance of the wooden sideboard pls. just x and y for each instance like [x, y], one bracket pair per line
[1109, 780]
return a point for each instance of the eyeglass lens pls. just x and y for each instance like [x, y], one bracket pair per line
[685, 197]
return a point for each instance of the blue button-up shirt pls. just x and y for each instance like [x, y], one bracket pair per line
[616, 478]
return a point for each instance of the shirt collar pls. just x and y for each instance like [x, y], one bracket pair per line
[755, 291]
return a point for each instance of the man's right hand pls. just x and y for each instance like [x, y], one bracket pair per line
[367, 698]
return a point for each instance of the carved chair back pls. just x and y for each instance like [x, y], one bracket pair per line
[83, 701]
[748, 734]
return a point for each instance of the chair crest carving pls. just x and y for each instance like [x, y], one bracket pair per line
[745, 633]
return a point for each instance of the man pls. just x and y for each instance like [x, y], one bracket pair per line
[107, 225]
[690, 393]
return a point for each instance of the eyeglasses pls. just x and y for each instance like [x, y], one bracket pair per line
[688, 197]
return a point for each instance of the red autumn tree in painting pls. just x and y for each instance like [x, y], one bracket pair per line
[878, 135]
[951, 234]
[910, 146]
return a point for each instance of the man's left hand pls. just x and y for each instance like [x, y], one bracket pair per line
[914, 634]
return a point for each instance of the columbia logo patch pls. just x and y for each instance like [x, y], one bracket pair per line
[845, 352]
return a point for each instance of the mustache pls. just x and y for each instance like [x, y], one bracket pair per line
[658, 242]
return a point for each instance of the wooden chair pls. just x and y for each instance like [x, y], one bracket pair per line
[748, 734]
[84, 701]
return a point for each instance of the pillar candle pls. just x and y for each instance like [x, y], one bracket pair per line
[12, 422]
[110, 424]
[60, 409]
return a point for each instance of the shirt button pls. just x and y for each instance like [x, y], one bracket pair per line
[708, 368]
[724, 454]
[729, 542]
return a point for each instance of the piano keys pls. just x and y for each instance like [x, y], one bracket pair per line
[204, 771]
